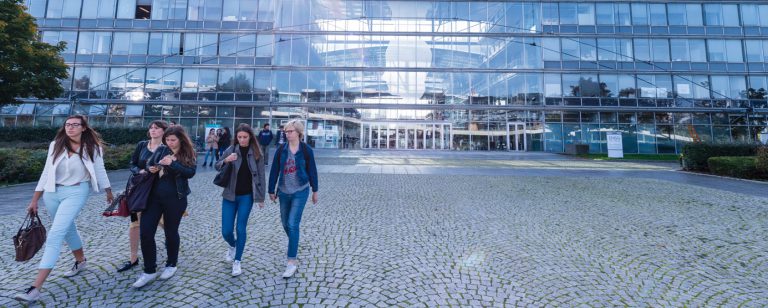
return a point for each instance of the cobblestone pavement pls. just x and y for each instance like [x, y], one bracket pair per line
[435, 239]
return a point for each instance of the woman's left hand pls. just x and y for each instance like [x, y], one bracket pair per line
[261, 205]
[314, 197]
[167, 160]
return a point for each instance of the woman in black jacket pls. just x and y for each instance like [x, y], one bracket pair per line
[141, 155]
[174, 163]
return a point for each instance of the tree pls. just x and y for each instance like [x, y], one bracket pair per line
[28, 67]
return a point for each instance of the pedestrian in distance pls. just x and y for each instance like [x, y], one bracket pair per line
[74, 165]
[265, 138]
[293, 172]
[141, 155]
[211, 147]
[225, 139]
[174, 164]
[246, 186]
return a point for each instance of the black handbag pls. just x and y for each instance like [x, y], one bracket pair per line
[222, 178]
[30, 237]
[141, 185]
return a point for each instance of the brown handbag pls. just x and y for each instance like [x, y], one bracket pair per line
[30, 238]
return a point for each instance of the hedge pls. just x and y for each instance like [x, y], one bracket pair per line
[734, 166]
[111, 135]
[695, 155]
[25, 165]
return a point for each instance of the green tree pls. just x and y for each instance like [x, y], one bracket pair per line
[28, 67]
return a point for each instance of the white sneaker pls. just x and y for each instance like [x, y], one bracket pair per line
[79, 266]
[144, 279]
[168, 272]
[290, 269]
[32, 294]
[230, 254]
[236, 270]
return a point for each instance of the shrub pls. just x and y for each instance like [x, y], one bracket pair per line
[762, 160]
[25, 165]
[734, 166]
[695, 155]
[111, 135]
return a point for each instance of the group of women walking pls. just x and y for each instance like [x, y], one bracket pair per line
[75, 165]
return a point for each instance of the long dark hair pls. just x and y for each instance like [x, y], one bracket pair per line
[159, 123]
[90, 140]
[186, 154]
[251, 139]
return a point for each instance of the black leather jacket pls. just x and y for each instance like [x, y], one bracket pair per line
[184, 173]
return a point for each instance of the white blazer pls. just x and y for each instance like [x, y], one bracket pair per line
[99, 179]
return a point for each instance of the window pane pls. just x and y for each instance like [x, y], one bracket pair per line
[642, 49]
[570, 49]
[713, 14]
[693, 15]
[126, 9]
[716, 50]
[623, 14]
[730, 15]
[660, 50]
[639, 14]
[568, 15]
[658, 14]
[676, 14]
[264, 44]
[604, 12]
[679, 49]
[734, 51]
[139, 43]
[698, 50]
[586, 14]
[588, 50]
[246, 45]
[551, 48]
[754, 50]
[549, 14]
[749, 15]
[164, 43]
[625, 49]
[122, 45]
[606, 49]
[85, 43]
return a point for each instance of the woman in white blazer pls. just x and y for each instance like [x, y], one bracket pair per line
[74, 165]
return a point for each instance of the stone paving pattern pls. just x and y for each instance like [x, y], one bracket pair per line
[434, 239]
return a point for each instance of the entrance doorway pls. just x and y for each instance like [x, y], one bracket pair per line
[406, 135]
[516, 137]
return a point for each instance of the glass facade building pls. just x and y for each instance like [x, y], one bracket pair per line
[452, 75]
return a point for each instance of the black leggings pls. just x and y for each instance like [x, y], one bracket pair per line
[171, 208]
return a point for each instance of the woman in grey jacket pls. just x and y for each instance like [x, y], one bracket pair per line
[246, 186]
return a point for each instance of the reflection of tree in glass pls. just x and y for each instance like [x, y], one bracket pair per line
[751, 93]
[239, 83]
[589, 88]
[627, 92]
[83, 83]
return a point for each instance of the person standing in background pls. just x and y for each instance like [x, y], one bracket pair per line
[265, 138]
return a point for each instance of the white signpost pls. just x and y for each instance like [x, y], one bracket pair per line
[615, 147]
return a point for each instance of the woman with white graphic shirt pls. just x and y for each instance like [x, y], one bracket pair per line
[294, 172]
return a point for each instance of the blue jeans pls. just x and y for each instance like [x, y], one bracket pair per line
[64, 205]
[241, 208]
[214, 153]
[291, 208]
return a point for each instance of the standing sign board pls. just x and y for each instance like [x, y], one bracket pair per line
[615, 147]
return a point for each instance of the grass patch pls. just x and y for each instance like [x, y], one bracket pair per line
[653, 157]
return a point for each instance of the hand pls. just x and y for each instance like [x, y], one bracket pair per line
[232, 157]
[167, 160]
[32, 207]
[110, 197]
[314, 197]
[272, 197]
[154, 169]
[261, 205]
[142, 171]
